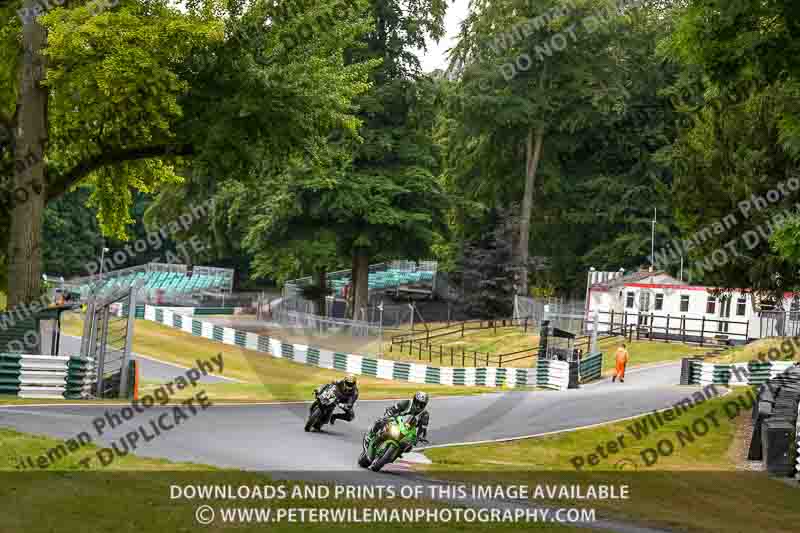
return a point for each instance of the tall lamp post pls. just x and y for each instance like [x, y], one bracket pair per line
[102, 258]
[588, 285]
[380, 326]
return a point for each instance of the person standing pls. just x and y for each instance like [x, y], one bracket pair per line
[622, 358]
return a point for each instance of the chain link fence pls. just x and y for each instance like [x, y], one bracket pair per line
[568, 315]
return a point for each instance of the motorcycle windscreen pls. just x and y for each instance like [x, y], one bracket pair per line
[410, 421]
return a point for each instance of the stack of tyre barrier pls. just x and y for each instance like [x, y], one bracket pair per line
[775, 424]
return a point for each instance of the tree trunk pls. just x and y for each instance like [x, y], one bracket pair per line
[321, 280]
[361, 283]
[533, 153]
[351, 292]
[30, 179]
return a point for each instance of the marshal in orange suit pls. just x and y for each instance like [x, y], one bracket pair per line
[622, 361]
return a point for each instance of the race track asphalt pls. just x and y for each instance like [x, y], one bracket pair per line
[271, 436]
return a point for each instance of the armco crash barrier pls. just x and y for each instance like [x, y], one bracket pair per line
[776, 439]
[358, 364]
[696, 372]
[46, 376]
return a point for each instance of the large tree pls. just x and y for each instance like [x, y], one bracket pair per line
[124, 98]
[543, 113]
[375, 185]
[740, 91]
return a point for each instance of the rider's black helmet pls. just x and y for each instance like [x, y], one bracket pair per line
[349, 383]
[420, 402]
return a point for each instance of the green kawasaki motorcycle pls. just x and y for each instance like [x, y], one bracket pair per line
[385, 445]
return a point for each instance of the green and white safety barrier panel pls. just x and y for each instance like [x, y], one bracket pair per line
[46, 376]
[552, 374]
[749, 373]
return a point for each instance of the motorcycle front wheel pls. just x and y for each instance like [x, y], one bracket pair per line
[363, 460]
[386, 458]
[313, 418]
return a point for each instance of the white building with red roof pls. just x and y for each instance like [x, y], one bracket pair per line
[656, 303]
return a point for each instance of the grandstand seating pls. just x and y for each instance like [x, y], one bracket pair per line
[386, 279]
[172, 282]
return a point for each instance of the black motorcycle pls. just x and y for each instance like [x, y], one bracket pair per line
[322, 408]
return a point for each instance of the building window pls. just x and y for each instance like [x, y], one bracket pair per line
[711, 305]
[659, 302]
[629, 301]
[794, 309]
[741, 305]
[685, 303]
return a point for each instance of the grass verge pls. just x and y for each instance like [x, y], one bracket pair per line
[646, 352]
[133, 494]
[772, 349]
[698, 487]
[267, 378]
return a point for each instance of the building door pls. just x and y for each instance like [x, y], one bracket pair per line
[644, 308]
[724, 313]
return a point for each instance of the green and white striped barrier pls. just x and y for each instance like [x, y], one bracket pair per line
[45, 376]
[750, 373]
[344, 362]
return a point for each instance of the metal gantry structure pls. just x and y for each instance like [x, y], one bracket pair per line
[107, 339]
